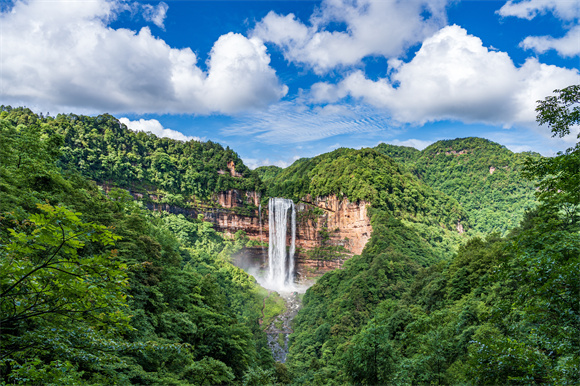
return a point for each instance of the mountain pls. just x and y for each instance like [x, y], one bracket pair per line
[267, 173]
[496, 311]
[367, 175]
[483, 176]
[98, 290]
[370, 177]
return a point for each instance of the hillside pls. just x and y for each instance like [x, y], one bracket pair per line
[94, 289]
[267, 173]
[366, 175]
[503, 310]
[97, 290]
[369, 176]
[104, 150]
[483, 176]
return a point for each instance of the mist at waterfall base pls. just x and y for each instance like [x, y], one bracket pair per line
[277, 272]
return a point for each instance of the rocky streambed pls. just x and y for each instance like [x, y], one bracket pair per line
[280, 328]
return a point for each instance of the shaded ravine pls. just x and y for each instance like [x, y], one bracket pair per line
[280, 329]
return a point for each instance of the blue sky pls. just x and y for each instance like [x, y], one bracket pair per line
[280, 80]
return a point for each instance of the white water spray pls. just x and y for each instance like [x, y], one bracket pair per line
[280, 265]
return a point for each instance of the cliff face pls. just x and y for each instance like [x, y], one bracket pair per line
[328, 231]
[342, 223]
[232, 214]
[323, 225]
[237, 199]
[320, 222]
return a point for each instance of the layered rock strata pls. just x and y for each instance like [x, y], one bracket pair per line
[323, 224]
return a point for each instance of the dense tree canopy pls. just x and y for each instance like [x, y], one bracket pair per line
[483, 176]
[503, 310]
[96, 290]
[369, 176]
[559, 177]
[105, 151]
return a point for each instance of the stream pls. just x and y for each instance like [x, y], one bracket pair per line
[280, 329]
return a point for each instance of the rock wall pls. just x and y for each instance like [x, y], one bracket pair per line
[346, 222]
[321, 222]
[236, 199]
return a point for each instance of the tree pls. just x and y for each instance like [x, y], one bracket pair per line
[559, 177]
[369, 357]
[560, 112]
[540, 318]
[58, 287]
[209, 371]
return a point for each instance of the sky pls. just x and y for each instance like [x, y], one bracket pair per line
[280, 80]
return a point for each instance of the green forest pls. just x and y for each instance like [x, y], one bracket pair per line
[471, 275]
[483, 176]
[95, 289]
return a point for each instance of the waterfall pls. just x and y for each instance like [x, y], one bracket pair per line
[281, 267]
[260, 220]
[261, 236]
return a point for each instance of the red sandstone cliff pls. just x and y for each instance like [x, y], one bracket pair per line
[323, 221]
[346, 222]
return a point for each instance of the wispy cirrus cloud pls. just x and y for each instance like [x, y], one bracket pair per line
[295, 122]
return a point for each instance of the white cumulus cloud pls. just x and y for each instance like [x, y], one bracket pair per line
[566, 10]
[254, 163]
[372, 27]
[454, 77]
[155, 127]
[155, 14]
[62, 55]
[567, 46]
[528, 9]
[418, 144]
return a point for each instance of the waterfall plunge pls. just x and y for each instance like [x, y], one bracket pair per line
[281, 266]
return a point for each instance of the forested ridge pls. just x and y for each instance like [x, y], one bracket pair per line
[483, 176]
[97, 290]
[104, 150]
[367, 175]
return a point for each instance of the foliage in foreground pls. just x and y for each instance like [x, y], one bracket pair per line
[96, 290]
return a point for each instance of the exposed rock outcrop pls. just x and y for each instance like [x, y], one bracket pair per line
[346, 223]
[322, 222]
